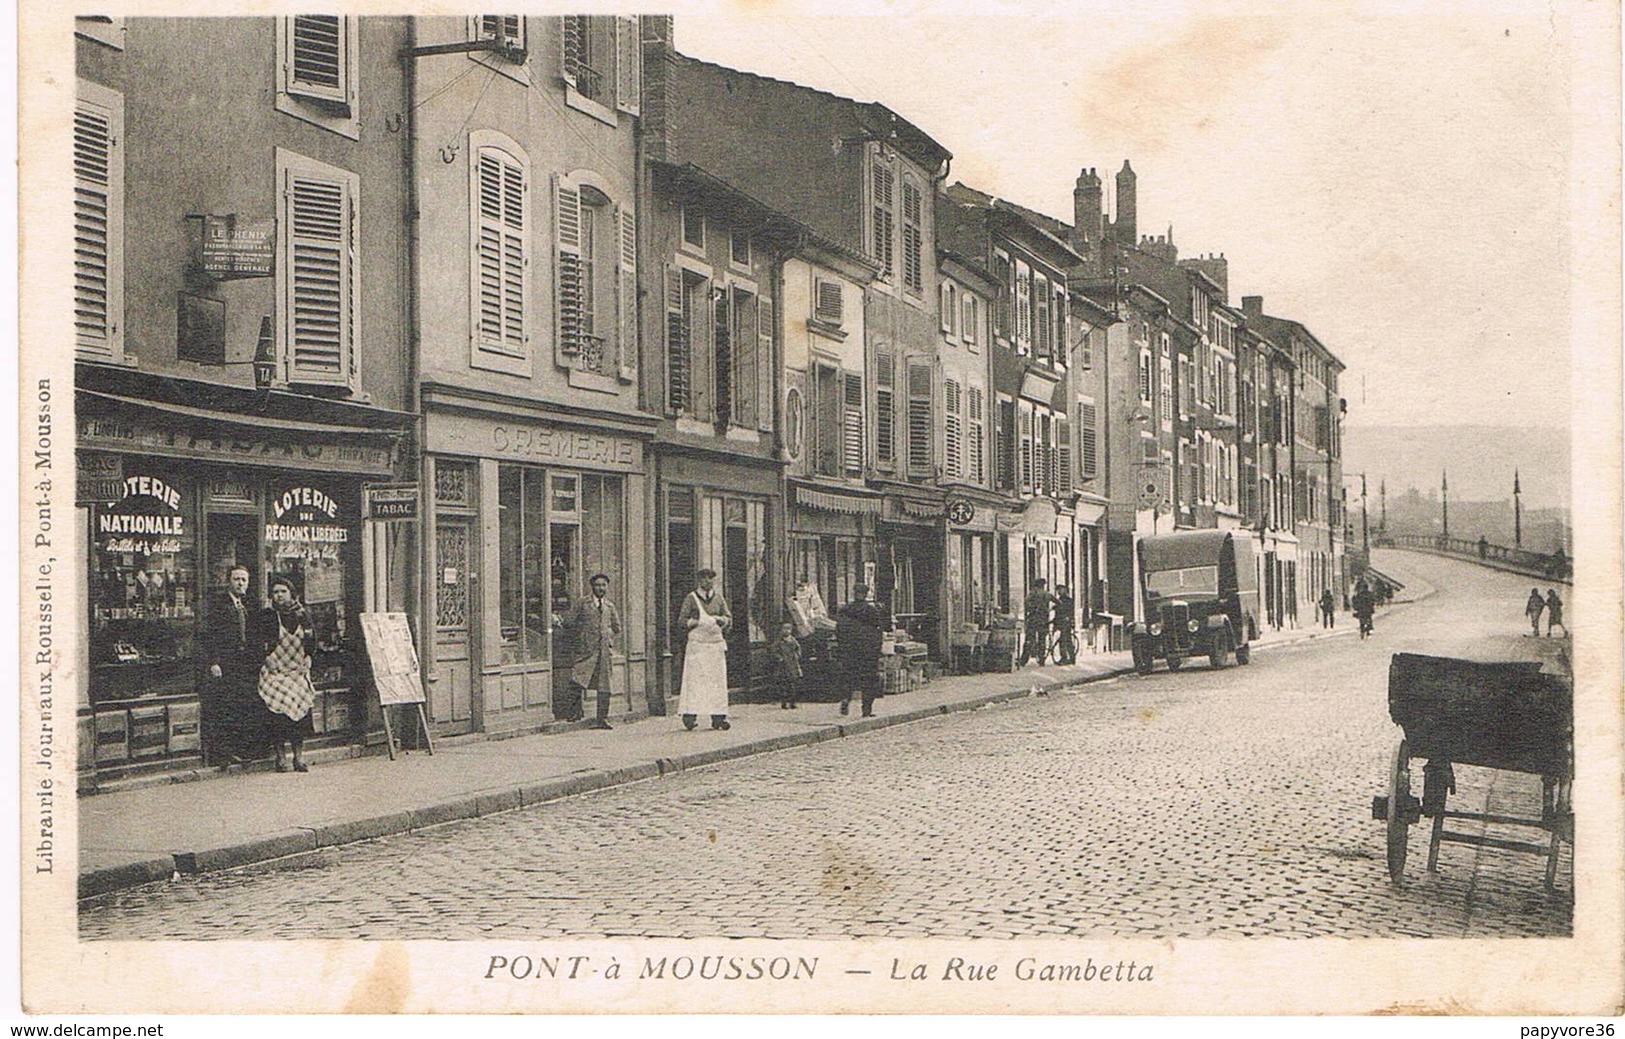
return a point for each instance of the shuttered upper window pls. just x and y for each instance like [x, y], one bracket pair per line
[852, 424]
[953, 425]
[501, 257]
[506, 29]
[882, 223]
[885, 407]
[913, 238]
[317, 279]
[976, 425]
[601, 63]
[317, 71]
[827, 302]
[921, 431]
[1087, 440]
[98, 222]
[594, 284]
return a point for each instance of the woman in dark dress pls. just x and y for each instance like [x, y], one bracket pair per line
[284, 638]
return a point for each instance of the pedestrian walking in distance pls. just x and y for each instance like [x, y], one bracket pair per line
[706, 618]
[594, 626]
[1365, 607]
[1533, 609]
[1065, 626]
[1328, 609]
[283, 638]
[1554, 613]
[1036, 613]
[859, 628]
[786, 663]
[234, 669]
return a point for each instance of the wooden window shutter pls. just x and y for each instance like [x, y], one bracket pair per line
[98, 230]
[317, 56]
[746, 336]
[321, 275]
[1024, 314]
[701, 344]
[1041, 319]
[502, 254]
[1005, 463]
[567, 281]
[1058, 314]
[953, 428]
[967, 327]
[913, 242]
[678, 368]
[827, 303]
[628, 63]
[766, 365]
[1043, 454]
[1063, 461]
[852, 424]
[1004, 273]
[1025, 435]
[945, 306]
[722, 402]
[1088, 443]
[885, 407]
[921, 431]
[827, 427]
[882, 228]
[977, 435]
[626, 222]
[572, 46]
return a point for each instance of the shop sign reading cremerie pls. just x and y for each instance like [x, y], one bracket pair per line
[245, 448]
[534, 442]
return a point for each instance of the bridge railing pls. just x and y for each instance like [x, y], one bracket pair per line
[1545, 564]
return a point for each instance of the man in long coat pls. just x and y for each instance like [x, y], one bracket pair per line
[859, 628]
[233, 668]
[594, 625]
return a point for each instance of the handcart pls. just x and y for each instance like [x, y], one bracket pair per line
[1510, 716]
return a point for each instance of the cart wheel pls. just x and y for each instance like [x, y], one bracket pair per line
[1399, 819]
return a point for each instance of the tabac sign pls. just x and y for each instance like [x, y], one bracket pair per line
[332, 453]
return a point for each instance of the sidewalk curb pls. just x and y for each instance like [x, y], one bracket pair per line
[298, 843]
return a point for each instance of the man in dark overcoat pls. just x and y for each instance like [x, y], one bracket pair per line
[232, 701]
[859, 628]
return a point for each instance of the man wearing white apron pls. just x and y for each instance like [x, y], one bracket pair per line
[706, 618]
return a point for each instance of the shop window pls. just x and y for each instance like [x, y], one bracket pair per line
[525, 603]
[98, 222]
[307, 539]
[317, 70]
[145, 588]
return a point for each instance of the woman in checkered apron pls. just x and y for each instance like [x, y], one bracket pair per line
[284, 639]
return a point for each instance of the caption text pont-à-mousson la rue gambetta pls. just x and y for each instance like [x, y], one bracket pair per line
[42, 785]
[525, 967]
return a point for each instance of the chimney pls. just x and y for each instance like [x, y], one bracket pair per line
[1252, 306]
[1126, 221]
[1086, 212]
[654, 107]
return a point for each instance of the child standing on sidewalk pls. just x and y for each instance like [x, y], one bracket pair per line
[786, 666]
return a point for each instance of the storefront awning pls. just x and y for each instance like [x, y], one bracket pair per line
[842, 503]
[110, 422]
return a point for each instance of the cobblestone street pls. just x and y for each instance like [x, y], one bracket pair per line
[1195, 804]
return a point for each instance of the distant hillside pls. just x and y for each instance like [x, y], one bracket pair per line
[1480, 460]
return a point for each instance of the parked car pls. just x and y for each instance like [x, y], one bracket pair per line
[1200, 591]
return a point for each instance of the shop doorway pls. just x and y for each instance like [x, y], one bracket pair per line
[451, 696]
[736, 590]
[564, 576]
[231, 539]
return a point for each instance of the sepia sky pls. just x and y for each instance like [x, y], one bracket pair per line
[1397, 182]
